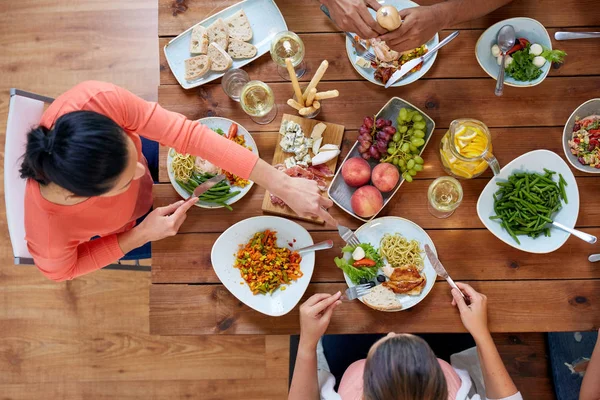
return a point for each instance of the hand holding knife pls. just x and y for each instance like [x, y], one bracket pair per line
[441, 271]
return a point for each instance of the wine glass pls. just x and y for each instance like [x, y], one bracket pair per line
[284, 45]
[258, 101]
[233, 81]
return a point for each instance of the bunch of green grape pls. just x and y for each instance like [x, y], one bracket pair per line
[403, 150]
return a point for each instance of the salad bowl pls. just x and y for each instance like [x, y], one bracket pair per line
[527, 28]
[590, 107]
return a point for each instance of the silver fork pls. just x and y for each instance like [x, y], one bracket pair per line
[357, 291]
[348, 236]
[362, 51]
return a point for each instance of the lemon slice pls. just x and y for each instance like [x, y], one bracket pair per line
[463, 143]
[461, 131]
[480, 168]
[465, 173]
[468, 136]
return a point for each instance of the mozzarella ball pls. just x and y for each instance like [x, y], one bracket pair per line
[496, 50]
[539, 61]
[508, 61]
[499, 60]
[535, 49]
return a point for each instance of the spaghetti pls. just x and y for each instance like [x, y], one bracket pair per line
[183, 165]
[399, 252]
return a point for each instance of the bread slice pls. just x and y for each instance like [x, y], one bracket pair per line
[382, 299]
[239, 26]
[199, 41]
[196, 67]
[219, 59]
[239, 49]
[218, 33]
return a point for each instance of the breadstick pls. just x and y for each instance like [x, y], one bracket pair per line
[307, 111]
[316, 104]
[316, 78]
[330, 94]
[295, 85]
[294, 104]
[311, 97]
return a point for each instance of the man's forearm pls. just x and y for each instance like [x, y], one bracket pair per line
[458, 11]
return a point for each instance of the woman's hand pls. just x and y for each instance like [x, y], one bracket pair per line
[419, 25]
[165, 221]
[474, 315]
[315, 315]
[353, 16]
[304, 197]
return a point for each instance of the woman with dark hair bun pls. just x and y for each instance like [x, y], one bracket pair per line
[402, 366]
[87, 177]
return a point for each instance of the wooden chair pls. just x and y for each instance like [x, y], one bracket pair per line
[24, 112]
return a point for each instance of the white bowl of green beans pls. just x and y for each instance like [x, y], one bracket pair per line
[519, 204]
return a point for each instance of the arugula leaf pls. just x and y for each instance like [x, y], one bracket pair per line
[219, 131]
[522, 68]
[554, 56]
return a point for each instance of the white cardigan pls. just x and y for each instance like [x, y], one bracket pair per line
[466, 364]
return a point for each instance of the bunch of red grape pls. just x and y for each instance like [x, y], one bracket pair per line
[374, 137]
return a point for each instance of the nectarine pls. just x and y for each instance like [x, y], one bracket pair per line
[356, 172]
[366, 201]
[385, 176]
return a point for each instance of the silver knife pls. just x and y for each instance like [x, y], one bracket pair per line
[440, 270]
[413, 63]
[576, 35]
[203, 187]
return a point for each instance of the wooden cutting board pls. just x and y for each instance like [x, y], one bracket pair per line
[332, 135]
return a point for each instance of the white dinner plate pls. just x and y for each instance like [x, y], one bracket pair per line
[280, 302]
[534, 161]
[265, 19]
[372, 232]
[223, 124]
[369, 73]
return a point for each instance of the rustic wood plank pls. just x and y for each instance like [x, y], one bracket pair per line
[186, 258]
[410, 202]
[455, 61]
[508, 143]
[277, 357]
[334, 133]
[305, 15]
[514, 306]
[548, 104]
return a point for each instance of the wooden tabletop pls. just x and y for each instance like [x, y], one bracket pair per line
[527, 292]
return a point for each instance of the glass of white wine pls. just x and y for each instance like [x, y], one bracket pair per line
[445, 195]
[258, 101]
[284, 45]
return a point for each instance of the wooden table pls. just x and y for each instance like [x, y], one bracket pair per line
[527, 292]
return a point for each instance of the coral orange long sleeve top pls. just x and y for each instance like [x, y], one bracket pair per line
[58, 236]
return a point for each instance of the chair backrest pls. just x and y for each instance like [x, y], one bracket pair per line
[24, 112]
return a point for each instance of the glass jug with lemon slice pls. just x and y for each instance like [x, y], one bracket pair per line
[466, 149]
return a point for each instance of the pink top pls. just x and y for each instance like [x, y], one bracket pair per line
[351, 385]
[58, 236]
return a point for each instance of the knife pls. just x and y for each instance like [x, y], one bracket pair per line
[441, 271]
[576, 35]
[206, 185]
[413, 63]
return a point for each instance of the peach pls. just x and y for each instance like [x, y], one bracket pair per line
[356, 172]
[366, 201]
[385, 176]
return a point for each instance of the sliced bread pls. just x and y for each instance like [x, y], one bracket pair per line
[240, 49]
[382, 299]
[199, 41]
[218, 33]
[239, 26]
[219, 59]
[196, 67]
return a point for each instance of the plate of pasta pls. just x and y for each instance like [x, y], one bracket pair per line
[391, 257]
[186, 171]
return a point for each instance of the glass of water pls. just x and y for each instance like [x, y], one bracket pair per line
[233, 81]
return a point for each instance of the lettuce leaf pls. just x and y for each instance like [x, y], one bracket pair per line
[554, 56]
[522, 68]
[355, 274]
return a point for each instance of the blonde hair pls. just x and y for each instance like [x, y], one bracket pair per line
[403, 367]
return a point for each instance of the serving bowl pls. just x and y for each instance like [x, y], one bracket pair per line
[223, 256]
[590, 107]
[527, 28]
[534, 161]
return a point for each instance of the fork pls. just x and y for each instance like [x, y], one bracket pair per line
[357, 291]
[348, 236]
[361, 50]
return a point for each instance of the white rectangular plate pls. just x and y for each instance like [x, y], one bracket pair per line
[266, 21]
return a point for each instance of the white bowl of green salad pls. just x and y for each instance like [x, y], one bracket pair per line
[528, 62]
[581, 137]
